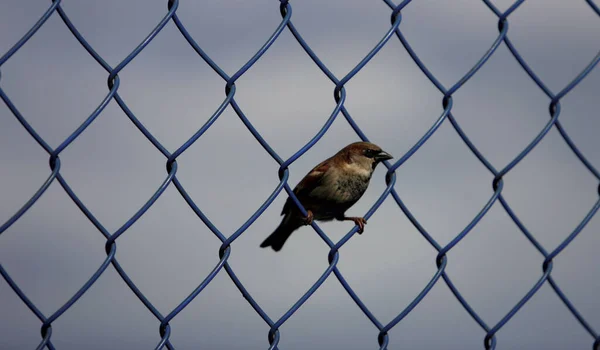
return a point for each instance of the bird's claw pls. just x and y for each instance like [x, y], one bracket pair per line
[360, 222]
[308, 220]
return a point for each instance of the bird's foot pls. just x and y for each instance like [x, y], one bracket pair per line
[360, 222]
[309, 218]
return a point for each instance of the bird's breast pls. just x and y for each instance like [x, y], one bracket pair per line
[335, 195]
[342, 188]
[350, 188]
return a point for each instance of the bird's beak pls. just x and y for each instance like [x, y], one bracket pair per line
[381, 156]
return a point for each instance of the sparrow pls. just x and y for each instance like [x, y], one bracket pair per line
[330, 189]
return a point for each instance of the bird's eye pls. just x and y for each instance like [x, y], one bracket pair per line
[369, 153]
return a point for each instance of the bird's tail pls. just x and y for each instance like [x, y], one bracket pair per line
[281, 233]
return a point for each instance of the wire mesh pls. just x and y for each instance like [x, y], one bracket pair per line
[274, 335]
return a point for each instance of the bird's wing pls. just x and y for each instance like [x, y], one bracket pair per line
[307, 184]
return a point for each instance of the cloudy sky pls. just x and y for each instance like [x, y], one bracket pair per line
[53, 249]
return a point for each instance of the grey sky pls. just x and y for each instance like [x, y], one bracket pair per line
[53, 249]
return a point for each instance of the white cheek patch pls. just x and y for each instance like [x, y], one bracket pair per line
[357, 169]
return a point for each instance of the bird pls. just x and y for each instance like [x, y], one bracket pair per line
[329, 190]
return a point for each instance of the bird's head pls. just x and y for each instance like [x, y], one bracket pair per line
[365, 154]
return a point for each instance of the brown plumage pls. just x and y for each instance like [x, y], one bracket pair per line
[330, 189]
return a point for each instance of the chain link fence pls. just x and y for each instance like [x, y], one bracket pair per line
[340, 111]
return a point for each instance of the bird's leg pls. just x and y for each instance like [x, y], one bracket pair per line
[309, 218]
[360, 222]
